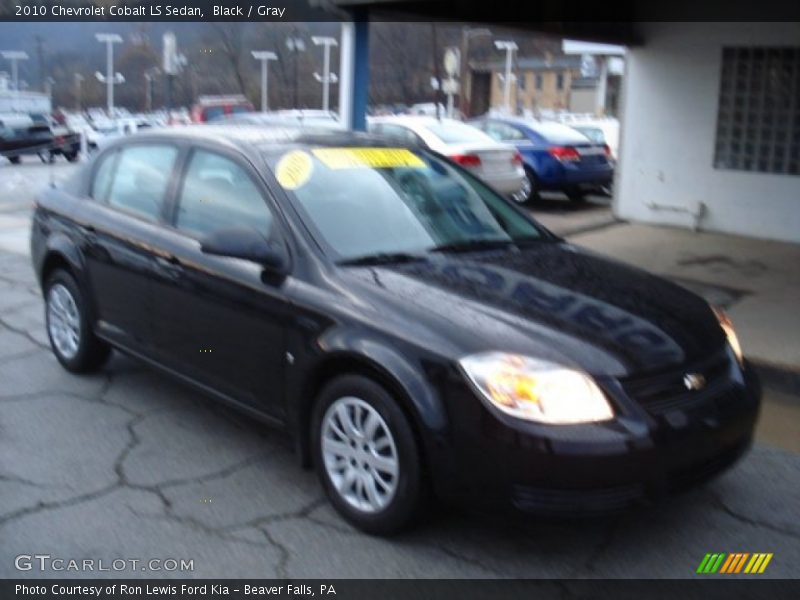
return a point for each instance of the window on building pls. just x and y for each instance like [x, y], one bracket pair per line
[758, 117]
[560, 81]
[539, 79]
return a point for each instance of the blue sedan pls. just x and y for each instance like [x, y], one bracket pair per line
[555, 157]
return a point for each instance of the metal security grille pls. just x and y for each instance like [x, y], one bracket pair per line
[758, 122]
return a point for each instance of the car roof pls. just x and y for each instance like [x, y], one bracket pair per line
[422, 120]
[542, 127]
[259, 137]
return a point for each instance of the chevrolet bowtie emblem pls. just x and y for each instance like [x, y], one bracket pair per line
[694, 381]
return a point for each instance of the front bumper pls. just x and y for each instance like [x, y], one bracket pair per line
[575, 470]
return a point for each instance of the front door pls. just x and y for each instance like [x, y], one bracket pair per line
[222, 321]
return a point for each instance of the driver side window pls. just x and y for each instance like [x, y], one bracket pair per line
[217, 193]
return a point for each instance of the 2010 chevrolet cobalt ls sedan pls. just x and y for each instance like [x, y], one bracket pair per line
[416, 332]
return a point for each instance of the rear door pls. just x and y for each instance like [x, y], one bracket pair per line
[119, 233]
[221, 321]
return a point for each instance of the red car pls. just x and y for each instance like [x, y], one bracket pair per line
[209, 108]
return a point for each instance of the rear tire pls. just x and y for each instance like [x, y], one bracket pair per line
[69, 328]
[366, 456]
[533, 195]
[15, 160]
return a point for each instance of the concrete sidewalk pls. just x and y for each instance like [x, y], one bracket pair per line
[757, 281]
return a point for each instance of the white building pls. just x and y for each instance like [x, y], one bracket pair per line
[711, 128]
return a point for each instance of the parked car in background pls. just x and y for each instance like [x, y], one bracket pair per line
[208, 108]
[499, 165]
[289, 118]
[37, 134]
[555, 156]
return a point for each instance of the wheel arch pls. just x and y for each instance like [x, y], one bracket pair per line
[416, 398]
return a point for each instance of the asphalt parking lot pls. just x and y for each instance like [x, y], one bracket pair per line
[129, 464]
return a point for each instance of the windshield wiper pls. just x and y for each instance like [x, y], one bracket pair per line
[471, 245]
[381, 258]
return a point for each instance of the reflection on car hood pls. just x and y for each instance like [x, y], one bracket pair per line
[554, 301]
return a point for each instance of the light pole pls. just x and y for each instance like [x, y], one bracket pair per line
[78, 78]
[295, 44]
[509, 47]
[149, 75]
[467, 33]
[264, 56]
[327, 77]
[109, 39]
[14, 56]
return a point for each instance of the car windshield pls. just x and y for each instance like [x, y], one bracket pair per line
[373, 201]
[453, 132]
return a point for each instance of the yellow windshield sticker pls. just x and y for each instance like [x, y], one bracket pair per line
[294, 169]
[376, 158]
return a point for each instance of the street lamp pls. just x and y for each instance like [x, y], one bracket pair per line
[109, 39]
[509, 47]
[467, 33]
[264, 56]
[327, 77]
[14, 56]
[78, 79]
[149, 75]
[295, 44]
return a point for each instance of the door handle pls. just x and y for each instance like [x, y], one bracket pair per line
[170, 265]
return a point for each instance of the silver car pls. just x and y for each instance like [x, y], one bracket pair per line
[499, 165]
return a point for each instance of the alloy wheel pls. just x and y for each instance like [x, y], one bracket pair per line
[360, 454]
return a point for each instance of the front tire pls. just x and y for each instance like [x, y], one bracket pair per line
[68, 326]
[366, 455]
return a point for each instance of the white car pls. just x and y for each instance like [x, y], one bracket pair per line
[499, 165]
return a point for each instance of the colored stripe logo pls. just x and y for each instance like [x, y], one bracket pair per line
[733, 563]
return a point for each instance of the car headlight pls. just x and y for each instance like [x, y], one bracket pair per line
[536, 390]
[727, 326]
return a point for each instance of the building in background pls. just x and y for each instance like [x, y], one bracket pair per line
[711, 128]
[547, 84]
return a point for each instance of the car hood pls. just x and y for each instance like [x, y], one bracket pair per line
[551, 300]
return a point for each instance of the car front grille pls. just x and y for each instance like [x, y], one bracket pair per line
[666, 392]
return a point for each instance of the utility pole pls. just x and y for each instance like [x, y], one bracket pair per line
[509, 47]
[327, 77]
[296, 45]
[264, 56]
[436, 74]
[109, 39]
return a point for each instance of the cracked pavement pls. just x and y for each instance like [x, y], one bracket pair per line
[131, 464]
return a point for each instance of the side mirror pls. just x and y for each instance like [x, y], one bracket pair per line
[248, 244]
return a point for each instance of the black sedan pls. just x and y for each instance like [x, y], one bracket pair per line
[418, 334]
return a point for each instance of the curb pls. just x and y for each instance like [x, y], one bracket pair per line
[605, 224]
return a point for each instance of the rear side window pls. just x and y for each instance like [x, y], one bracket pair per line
[102, 177]
[141, 178]
[217, 194]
